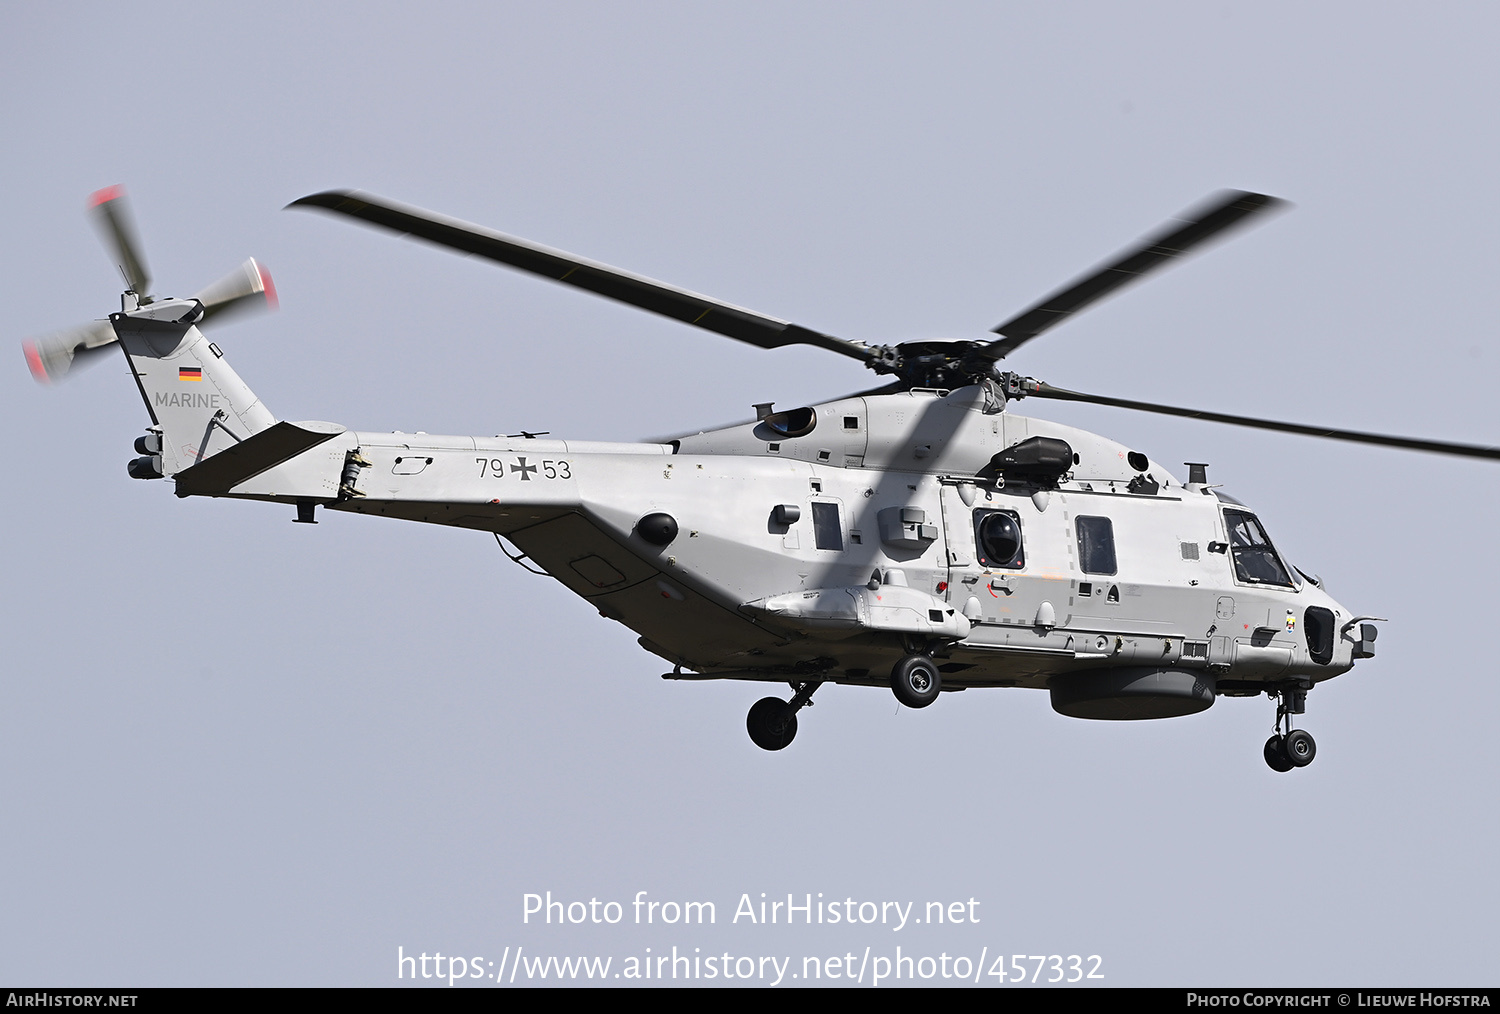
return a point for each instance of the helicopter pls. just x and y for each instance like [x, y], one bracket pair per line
[919, 536]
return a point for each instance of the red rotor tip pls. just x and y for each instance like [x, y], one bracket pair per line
[107, 194]
[268, 285]
[34, 362]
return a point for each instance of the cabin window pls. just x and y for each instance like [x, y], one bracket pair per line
[1255, 559]
[997, 537]
[1096, 545]
[827, 532]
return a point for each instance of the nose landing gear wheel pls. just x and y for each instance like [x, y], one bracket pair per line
[1294, 748]
[1275, 753]
[1299, 748]
[772, 725]
[916, 681]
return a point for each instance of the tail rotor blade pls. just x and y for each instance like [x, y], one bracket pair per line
[248, 287]
[112, 216]
[52, 356]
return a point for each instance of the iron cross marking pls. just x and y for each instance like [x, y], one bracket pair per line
[520, 466]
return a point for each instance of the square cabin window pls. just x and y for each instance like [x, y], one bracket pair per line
[827, 532]
[1096, 545]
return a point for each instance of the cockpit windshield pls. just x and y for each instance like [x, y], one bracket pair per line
[1255, 559]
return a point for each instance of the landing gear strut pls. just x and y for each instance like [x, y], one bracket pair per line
[1295, 748]
[772, 722]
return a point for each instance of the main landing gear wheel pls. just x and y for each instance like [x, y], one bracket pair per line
[1276, 756]
[916, 681]
[771, 723]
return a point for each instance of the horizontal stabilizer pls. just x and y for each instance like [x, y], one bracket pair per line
[252, 456]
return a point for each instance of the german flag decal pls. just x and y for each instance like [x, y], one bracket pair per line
[189, 373]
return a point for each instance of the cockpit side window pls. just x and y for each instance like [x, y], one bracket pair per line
[1255, 559]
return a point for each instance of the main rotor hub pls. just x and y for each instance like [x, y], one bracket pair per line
[937, 363]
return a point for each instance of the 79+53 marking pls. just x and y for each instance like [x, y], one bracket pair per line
[495, 469]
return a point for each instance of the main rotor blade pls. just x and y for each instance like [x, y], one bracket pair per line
[111, 214]
[249, 287]
[1045, 390]
[1220, 212]
[591, 276]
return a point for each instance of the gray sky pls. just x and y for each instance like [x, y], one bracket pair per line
[238, 751]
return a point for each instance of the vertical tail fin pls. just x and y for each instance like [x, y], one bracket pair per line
[198, 403]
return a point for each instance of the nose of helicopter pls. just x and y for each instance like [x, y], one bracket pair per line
[1336, 637]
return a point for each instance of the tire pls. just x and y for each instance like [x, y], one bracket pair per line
[771, 724]
[916, 681]
[1300, 748]
[1275, 754]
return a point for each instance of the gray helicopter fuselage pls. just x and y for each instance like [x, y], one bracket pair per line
[835, 552]
[920, 536]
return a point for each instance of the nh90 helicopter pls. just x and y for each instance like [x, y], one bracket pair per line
[918, 536]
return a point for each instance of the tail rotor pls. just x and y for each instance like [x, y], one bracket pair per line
[53, 356]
